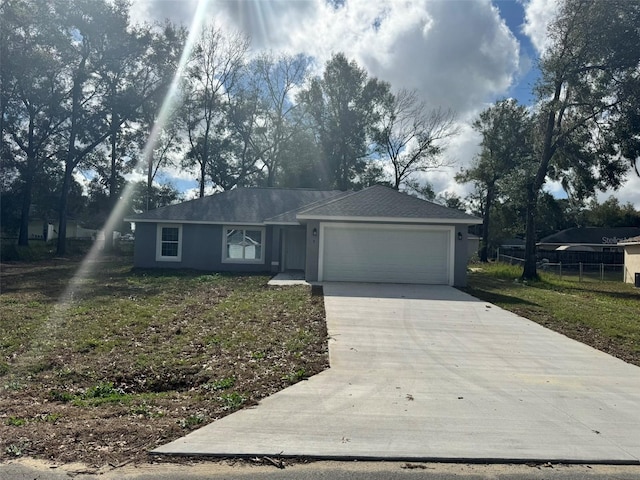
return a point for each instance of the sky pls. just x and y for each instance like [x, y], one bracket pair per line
[457, 54]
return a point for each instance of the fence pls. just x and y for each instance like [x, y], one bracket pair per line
[569, 256]
[580, 271]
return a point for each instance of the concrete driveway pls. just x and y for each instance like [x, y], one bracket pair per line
[430, 373]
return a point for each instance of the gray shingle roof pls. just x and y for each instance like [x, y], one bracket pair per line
[241, 205]
[631, 241]
[291, 215]
[384, 202]
[590, 236]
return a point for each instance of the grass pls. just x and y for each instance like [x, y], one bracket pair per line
[605, 315]
[170, 349]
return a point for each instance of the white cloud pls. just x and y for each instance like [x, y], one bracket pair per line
[538, 15]
[629, 192]
[455, 54]
[149, 11]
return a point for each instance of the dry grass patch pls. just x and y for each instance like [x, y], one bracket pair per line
[139, 358]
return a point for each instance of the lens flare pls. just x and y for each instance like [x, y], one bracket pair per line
[91, 261]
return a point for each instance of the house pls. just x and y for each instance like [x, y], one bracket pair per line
[47, 231]
[373, 235]
[631, 248]
[588, 239]
[513, 244]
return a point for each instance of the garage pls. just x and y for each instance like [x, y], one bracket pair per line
[386, 253]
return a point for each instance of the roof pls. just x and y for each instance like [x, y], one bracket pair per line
[257, 206]
[630, 241]
[591, 236]
[379, 203]
[290, 217]
[513, 242]
[242, 205]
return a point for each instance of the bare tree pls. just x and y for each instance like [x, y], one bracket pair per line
[215, 68]
[412, 136]
[276, 79]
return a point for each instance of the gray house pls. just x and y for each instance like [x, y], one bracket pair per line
[373, 235]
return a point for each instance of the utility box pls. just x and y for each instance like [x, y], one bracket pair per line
[638, 280]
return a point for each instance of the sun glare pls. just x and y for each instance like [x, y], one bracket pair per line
[90, 262]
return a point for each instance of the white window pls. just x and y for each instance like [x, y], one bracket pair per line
[243, 245]
[169, 243]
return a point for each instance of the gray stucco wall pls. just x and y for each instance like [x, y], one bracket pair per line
[461, 257]
[313, 251]
[201, 249]
[276, 249]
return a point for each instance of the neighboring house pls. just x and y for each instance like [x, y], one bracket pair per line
[513, 244]
[41, 230]
[588, 239]
[373, 235]
[631, 248]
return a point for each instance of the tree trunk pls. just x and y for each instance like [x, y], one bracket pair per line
[485, 226]
[270, 176]
[70, 161]
[530, 260]
[23, 237]
[62, 219]
[548, 150]
[202, 178]
[113, 187]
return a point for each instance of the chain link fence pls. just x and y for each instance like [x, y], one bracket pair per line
[579, 272]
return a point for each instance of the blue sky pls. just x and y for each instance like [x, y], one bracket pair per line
[457, 54]
[513, 14]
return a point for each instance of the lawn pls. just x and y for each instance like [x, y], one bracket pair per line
[137, 358]
[605, 315]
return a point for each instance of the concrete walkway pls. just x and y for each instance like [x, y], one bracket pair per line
[430, 373]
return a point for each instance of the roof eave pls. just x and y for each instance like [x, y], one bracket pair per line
[458, 221]
[267, 222]
[194, 222]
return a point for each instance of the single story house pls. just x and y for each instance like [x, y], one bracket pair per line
[631, 248]
[513, 244]
[373, 235]
[588, 239]
[47, 231]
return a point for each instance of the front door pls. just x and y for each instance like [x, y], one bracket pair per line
[295, 249]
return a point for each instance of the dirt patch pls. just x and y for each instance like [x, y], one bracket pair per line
[139, 358]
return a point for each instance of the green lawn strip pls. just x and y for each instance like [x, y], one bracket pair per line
[605, 315]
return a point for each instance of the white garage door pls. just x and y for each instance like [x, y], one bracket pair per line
[394, 254]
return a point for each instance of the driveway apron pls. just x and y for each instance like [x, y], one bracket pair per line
[431, 373]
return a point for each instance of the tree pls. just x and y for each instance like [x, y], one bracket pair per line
[451, 200]
[215, 68]
[587, 78]
[275, 79]
[122, 67]
[506, 148]
[300, 159]
[344, 106]
[31, 96]
[411, 136]
[239, 152]
[162, 195]
[162, 61]
[611, 214]
[96, 111]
